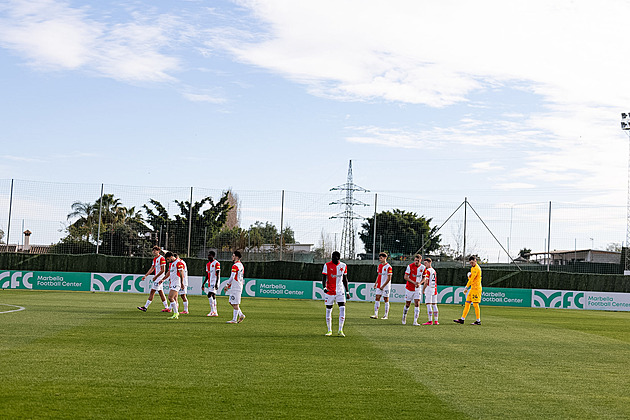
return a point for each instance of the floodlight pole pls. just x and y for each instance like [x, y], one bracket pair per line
[625, 126]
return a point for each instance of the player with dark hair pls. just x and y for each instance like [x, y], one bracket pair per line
[474, 296]
[213, 277]
[158, 266]
[413, 275]
[429, 290]
[382, 285]
[178, 276]
[235, 286]
[335, 283]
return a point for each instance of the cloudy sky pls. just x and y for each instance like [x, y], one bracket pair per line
[494, 100]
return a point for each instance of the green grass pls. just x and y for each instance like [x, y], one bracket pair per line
[94, 355]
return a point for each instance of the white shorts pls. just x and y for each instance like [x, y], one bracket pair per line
[157, 286]
[235, 298]
[330, 299]
[382, 292]
[178, 289]
[213, 290]
[430, 298]
[412, 295]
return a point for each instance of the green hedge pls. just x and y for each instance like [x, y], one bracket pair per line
[286, 270]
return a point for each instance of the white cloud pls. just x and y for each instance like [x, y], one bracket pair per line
[203, 97]
[56, 36]
[485, 167]
[515, 186]
[569, 55]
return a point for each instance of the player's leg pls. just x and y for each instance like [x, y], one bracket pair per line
[341, 302]
[163, 297]
[342, 318]
[466, 309]
[386, 300]
[377, 305]
[172, 297]
[477, 313]
[435, 314]
[405, 310]
[328, 302]
[429, 313]
[416, 311]
[185, 300]
[148, 302]
[212, 299]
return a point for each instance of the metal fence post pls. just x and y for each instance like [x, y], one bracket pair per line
[100, 212]
[9, 223]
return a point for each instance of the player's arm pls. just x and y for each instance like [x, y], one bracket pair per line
[324, 278]
[180, 274]
[229, 282]
[345, 284]
[151, 270]
[389, 279]
[206, 279]
[162, 271]
[217, 281]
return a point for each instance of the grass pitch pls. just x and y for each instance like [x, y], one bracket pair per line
[94, 355]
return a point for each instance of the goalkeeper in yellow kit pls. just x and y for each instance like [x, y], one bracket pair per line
[474, 296]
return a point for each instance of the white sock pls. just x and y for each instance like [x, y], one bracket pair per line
[429, 312]
[235, 316]
[386, 308]
[240, 313]
[329, 318]
[165, 303]
[146, 305]
[435, 313]
[342, 317]
[174, 307]
[405, 310]
[210, 301]
[213, 305]
[377, 305]
[186, 306]
[416, 314]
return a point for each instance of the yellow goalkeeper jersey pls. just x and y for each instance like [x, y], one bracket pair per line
[474, 282]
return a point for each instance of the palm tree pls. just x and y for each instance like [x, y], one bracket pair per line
[86, 217]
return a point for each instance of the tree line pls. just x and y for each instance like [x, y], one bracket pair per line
[120, 230]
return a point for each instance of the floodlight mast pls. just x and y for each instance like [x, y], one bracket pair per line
[625, 126]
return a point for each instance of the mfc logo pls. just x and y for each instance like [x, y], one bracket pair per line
[357, 291]
[117, 283]
[450, 294]
[557, 299]
[17, 280]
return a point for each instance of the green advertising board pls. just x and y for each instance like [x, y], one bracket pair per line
[44, 280]
[292, 289]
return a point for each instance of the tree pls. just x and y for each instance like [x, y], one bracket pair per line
[325, 246]
[268, 234]
[399, 232]
[207, 220]
[525, 253]
[1, 236]
[613, 247]
[122, 229]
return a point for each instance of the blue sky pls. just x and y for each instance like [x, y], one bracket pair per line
[502, 102]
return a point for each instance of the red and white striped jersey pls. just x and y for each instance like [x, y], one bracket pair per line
[237, 277]
[431, 276]
[334, 277]
[415, 273]
[383, 271]
[158, 263]
[211, 271]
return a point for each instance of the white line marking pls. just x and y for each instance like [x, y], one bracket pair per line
[20, 308]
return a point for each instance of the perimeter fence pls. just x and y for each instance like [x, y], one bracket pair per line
[45, 217]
